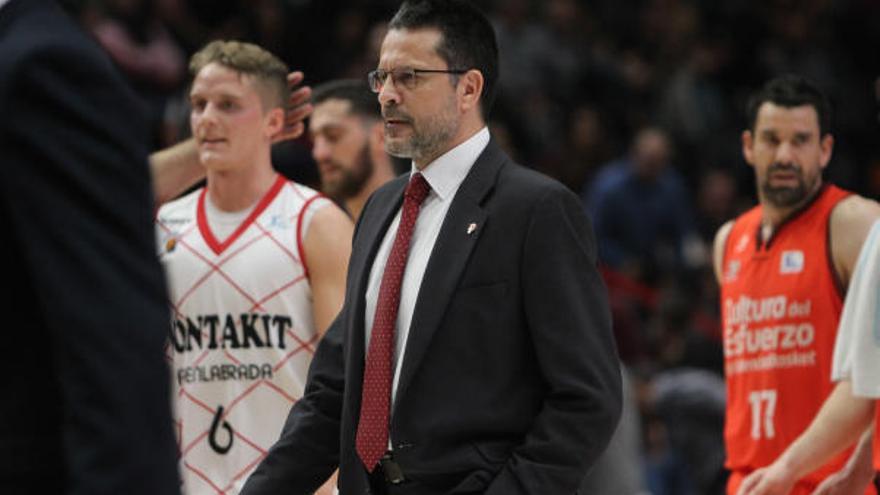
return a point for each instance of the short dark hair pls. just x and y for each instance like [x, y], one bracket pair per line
[355, 91]
[790, 91]
[468, 38]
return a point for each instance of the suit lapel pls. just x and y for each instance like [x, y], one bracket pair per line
[461, 229]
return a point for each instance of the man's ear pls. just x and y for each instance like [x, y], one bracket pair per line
[827, 146]
[274, 120]
[748, 142]
[470, 89]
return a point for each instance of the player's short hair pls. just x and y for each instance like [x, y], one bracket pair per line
[468, 38]
[356, 92]
[268, 71]
[790, 91]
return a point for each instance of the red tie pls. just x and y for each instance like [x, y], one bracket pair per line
[372, 433]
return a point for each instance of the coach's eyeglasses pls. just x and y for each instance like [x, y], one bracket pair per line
[404, 77]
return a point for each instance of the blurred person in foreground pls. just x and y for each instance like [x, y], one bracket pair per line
[425, 383]
[91, 414]
[86, 399]
[783, 268]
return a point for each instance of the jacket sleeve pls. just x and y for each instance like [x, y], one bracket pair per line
[308, 450]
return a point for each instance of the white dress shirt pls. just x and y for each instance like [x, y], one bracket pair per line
[444, 175]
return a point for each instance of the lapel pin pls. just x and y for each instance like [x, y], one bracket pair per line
[471, 228]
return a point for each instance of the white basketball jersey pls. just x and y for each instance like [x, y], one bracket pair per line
[242, 335]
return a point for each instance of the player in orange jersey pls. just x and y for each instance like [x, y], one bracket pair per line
[783, 267]
[849, 409]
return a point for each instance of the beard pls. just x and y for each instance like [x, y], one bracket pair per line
[786, 196]
[352, 179]
[428, 139]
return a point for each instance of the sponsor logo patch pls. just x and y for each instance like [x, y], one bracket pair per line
[791, 262]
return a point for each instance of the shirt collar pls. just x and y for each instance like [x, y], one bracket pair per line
[448, 171]
[3, 3]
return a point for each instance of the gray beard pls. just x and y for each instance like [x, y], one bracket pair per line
[422, 145]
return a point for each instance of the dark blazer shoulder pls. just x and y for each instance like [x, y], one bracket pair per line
[526, 186]
[40, 28]
[530, 181]
[40, 46]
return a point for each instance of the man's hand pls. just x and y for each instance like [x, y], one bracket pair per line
[856, 475]
[299, 107]
[770, 480]
[845, 482]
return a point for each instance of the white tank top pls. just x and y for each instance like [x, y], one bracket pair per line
[242, 334]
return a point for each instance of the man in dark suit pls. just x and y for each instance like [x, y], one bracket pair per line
[474, 351]
[85, 407]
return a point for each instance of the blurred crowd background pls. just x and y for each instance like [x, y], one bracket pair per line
[636, 105]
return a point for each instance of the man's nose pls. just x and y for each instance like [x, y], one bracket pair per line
[785, 153]
[388, 92]
[320, 150]
[208, 115]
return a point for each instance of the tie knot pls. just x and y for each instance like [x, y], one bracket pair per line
[418, 188]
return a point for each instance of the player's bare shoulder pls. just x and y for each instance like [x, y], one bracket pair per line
[850, 221]
[327, 242]
[718, 247]
[330, 225]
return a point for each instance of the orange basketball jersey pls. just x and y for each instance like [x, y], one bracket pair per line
[877, 437]
[780, 305]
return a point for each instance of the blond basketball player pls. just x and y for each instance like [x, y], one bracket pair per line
[256, 267]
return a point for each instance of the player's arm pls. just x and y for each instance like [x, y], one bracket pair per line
[856, 475]
[849, 225]
[177, 167]
[174, 169]
[839, 423]
[718, 249]
[327, 246]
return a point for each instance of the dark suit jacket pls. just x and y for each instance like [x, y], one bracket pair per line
[510, 382]
[85, 395]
